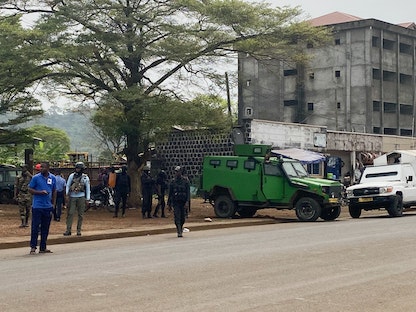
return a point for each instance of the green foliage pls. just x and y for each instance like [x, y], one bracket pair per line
[17, 72]
[54, 145]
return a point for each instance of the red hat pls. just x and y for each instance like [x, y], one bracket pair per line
[37, 167]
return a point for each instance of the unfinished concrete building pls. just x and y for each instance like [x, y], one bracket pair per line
[362, 81]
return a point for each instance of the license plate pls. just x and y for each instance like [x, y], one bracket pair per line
[333, 200]
[365, 199]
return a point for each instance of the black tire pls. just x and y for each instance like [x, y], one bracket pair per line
[224, 207]
[396, 207]
[308, 209]
[5, 197]
[330, 214]
[111, 208]
[247, 212]
[355, 212]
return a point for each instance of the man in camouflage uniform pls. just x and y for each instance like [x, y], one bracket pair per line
[22, 195]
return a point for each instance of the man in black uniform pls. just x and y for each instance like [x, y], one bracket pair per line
[161, 185]
[178, 199]
[147, 192]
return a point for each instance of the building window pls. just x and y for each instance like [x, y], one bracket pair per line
[311, 76]
[376, 42]
[376, 106]
[389, 76]
[405, 79]
[290, 72]
[405, 48]
[390, 131]
[338, 105]
[390, 107]
[376, 130]
[337, 41]
[388, 44]
[310, 106]
[406, 109]
[290, 103]
[406, 132]
[376, 74]
[337, 73]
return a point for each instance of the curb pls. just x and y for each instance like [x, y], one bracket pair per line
[58, 239]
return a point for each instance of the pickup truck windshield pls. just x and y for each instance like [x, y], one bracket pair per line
[295, 169]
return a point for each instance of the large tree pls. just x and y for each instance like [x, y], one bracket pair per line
[144, 53]
[17, 68]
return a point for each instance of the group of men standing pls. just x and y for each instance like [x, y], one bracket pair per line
[44, 195]
[178, 195]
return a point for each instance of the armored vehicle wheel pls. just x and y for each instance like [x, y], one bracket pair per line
[331, 213]
[355, 212]
[6, 197]
[396, 207]
[224, 207]
[307, 209]
[247, 212]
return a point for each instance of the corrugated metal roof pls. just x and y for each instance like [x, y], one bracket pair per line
[333, 18]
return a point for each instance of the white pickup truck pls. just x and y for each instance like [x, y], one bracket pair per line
[383, 186]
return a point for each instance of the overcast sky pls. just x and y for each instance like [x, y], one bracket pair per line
[395, 12]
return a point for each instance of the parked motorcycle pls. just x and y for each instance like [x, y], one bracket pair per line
[101, 197]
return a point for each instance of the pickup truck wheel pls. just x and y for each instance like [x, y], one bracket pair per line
[307, 209]
[247, 212]
[224, 207]
[396, 207]
[330, 214]
[355, 212]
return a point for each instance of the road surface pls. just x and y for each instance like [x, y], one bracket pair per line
[366, 264]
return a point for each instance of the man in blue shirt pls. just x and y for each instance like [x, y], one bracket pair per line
[43, 188]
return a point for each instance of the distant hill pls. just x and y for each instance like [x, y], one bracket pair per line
[77, 126]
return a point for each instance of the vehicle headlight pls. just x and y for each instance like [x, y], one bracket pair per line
[386, 189]
[325, 189]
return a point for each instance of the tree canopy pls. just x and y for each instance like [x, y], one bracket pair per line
[17, 105]
[145, 54]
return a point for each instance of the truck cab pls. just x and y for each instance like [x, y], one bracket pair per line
[251, 180]
[391, 187]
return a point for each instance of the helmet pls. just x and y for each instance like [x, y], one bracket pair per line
[178, 168]
[80, 165]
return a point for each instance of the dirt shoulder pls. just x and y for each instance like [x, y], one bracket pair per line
[101, 219]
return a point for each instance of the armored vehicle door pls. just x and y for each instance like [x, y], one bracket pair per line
[273, 182]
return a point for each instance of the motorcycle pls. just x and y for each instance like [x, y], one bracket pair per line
[101, 197]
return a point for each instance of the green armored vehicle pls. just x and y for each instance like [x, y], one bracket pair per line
[251, 180]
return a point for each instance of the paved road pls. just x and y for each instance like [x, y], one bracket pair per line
[367, 264]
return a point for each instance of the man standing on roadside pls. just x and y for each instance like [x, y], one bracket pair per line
[60, 195]
[179, 199]
[122, 189]
[22, 195]
[78, 189]
[43, 188]
[147, 191]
